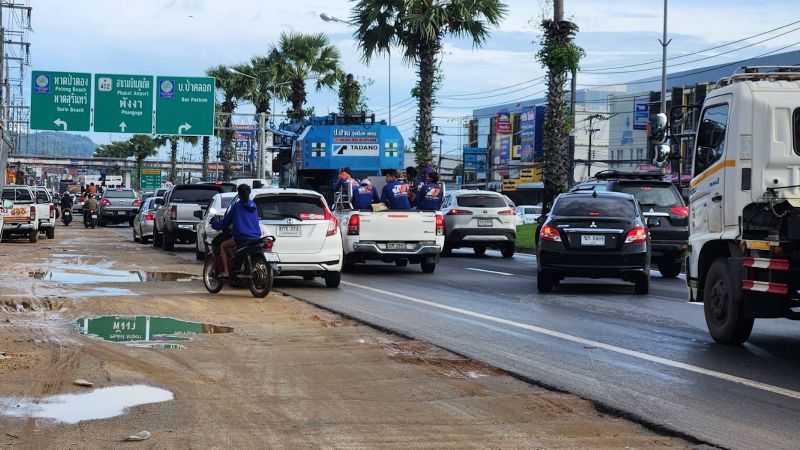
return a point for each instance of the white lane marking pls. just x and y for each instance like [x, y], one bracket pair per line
[490, 271]
[588, 342]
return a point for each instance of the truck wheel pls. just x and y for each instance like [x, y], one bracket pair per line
[447, 250]
[480, 250]
[51, 232]
[508, 251]
[642, 284]
[33, 236]
[332, 279]
[428, 267]
[168, 241]
[544, 282]
[723, 305]
[670, 269]
[157, 238]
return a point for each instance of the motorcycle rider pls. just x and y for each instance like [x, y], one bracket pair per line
[88, 206]
[66, 200]
[243, 215]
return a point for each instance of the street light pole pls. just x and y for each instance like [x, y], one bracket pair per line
[664, 43]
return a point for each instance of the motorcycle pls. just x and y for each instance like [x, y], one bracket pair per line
[66, 215]
[252, 265]
[90, 218]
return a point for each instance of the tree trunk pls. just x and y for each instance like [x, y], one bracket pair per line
[558, 10]
[206, 148]
[423, 151]
[298, 99]
[173, 159]
[555, 165]
[139, 165]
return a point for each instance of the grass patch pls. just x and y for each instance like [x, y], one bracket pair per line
[525, 235]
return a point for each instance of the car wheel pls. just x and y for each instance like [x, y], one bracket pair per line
[135, 238]
[545, 282]
[508, 251]
[157, 238]
[51, 232]
[723, 305]
[428, 267]
[670, 269]
[332, 279]
[642, 284]
[144, 239]
[447, 250]
[480, 250]
[167, 241]
[401, 263]
[33, 236]
[130, 223]
[198, 255]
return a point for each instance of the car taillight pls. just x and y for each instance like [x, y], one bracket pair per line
[439, 225]
[137, 202]
[682, 211]
[459, 212]
[52, 211]
[333, 223]
[32, 212]
[149, 216]
[549, 233]
[637, 235]
[173, 212]
[354, 225]
[506, 212]
[105, 202]
[268, 245]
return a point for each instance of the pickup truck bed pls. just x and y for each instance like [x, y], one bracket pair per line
[399, 236]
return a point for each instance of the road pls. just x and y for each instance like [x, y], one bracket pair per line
[649, 357]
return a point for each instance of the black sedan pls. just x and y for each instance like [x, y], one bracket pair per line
[594, 235]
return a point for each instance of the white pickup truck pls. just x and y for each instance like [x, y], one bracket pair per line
[21, 218]
[399, 236]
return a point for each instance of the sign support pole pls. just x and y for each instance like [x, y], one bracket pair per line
[262, 123]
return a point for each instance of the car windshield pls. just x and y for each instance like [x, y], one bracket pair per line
[300, 207]
[482, 201]
[652, 195]
[591, 206]
[193, 195]
[120, 194]
[17, 195]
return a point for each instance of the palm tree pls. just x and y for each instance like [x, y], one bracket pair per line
[173, 154]
[417, 28]
[304, 56]
[263, 80]
[233, 88]
[206, 148]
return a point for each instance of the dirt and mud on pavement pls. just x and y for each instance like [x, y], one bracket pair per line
[231, 371]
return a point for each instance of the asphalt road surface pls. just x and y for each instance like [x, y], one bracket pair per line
[648, 356]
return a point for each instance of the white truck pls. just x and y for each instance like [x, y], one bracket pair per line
[21, 218]
[744, 201]
[398, 236]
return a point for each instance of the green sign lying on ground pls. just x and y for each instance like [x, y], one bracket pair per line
[185, 106]
[123, 103]
[150, 179]
[61, 101]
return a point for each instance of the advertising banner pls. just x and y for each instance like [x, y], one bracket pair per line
[641, 113]
[503, 123]
[527, 135]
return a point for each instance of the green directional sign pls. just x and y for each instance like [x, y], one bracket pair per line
[61, 101]
[150, 179]
[185, 106]
[123, 103]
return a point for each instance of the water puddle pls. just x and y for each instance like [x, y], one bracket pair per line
[145, 331]
[103, 275]
[97, 404]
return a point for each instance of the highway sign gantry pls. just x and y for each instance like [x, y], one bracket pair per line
[61, 101]
[123, 103]
[185, 106]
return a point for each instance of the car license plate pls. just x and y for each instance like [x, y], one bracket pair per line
[593, 240]
[484, 222]
[395, 246]
[94, 216]
[289, 230]
[272, 257]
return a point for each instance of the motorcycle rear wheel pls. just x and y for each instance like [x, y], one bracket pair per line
[260, 278]
[212, 283]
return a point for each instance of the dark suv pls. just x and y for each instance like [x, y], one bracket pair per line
[659, 199]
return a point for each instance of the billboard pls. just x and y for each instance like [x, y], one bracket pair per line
[244, 143]
[503, 155]
[474, 160]
[503, 123]
[641, 113]
[527, 135]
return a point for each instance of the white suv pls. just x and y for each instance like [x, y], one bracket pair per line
[307, 237]
[480, 220]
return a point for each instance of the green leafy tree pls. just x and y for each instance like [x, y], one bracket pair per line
[560, 55]
[139, 147]
[304, 56]
[417, 28]
[351, 95]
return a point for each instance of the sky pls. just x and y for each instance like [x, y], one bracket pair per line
[185, 37]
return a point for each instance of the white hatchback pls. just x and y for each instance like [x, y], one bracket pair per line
[307, 237]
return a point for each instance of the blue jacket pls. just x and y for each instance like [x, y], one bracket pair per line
[364, 197]
[430, 196]
[396, 195]
[244, 217]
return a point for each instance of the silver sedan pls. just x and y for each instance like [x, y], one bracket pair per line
[143, 222]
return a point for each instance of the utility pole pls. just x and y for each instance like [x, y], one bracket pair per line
[260, 163]
[591, 132]
[439, 165]
[664, 43]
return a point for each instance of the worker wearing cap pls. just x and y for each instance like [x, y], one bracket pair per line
[365, 195]
[430, 194]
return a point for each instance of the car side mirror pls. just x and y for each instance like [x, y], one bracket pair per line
[540, 220]
[159, 201]
[199, 213]
[8, 204]
[653, 222]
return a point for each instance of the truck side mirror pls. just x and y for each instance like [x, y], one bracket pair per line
[657, 128]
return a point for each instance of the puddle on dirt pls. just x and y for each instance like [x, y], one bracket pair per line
[98, 404]
[103, 275]
[145, 331]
